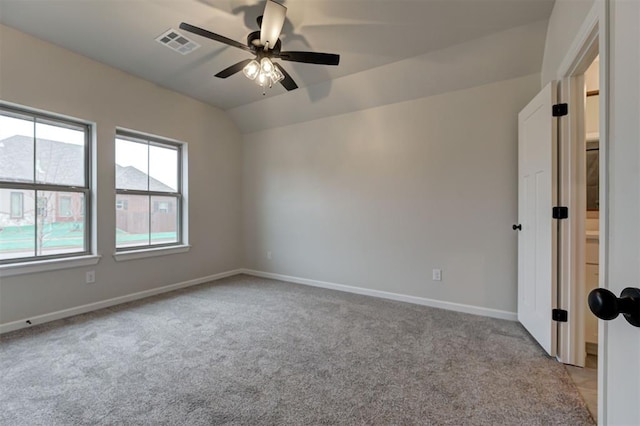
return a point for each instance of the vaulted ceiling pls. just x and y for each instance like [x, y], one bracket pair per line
[368, 34]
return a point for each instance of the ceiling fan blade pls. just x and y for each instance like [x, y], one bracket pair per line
[310, 57]
[272, 22]
[228, 72]
[213, 36]
[287, 82]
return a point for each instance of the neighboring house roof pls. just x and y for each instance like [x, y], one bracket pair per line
[56, 162]
[131, 178]
[61, 163]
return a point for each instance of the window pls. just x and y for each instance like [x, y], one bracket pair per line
[161, 206]
[64, 206]
[44, 180]
[149, 199]
[17, 205]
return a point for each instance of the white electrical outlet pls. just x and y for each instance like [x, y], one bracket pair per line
[437, 274]
[91, 277]
[269, 255]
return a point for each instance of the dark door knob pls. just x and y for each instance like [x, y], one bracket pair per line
[605, 305]
[518, 227]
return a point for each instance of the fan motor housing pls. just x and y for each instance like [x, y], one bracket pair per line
[253, 41]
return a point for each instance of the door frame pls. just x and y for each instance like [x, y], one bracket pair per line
[592, 39]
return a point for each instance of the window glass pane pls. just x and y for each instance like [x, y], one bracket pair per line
[163, 168]
[132, 222]
[17, 234]
[16, 149]
[60, 154]
[132, 165]
[60, 222]
[164, 220]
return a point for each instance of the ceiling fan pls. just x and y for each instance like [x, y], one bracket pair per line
[265, 45]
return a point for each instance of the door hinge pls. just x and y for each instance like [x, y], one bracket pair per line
[560, 212]
[560, 110]
[559, 315]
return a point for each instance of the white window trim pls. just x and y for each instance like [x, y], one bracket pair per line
[36, 266]
[123, 256]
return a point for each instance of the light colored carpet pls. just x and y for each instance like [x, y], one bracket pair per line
[252, 351]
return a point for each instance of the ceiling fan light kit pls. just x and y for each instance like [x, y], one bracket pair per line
[263, 73]
[265, 45]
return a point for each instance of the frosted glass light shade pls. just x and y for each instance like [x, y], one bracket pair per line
[251, 70]
[276, 75]
[262, 79]
[266, 66]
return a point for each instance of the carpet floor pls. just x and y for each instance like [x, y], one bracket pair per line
[253, 351]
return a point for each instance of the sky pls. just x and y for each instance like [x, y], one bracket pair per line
[10, 126]
[159, 163]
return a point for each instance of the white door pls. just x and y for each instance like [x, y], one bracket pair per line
[537, 239]
[619, 349]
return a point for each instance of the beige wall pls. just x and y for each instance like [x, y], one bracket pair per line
[379, 197]
[592, 107]
[565, 21]
[40, 75]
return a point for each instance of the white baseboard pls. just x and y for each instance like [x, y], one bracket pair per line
[451, 306]
[458, 307]
[16, 325]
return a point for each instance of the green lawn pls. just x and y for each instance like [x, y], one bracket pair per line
[66, 234]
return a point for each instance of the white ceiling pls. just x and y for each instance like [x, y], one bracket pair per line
[366, 33]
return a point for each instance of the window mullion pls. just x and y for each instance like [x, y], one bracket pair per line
[35, 153]
[42, 187]
[152, 193]
[179, 218]
[148, 166]
[35, 222]
[149, 239]
[148, 188]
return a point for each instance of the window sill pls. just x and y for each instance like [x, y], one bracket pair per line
[48, 265]
[151, 252]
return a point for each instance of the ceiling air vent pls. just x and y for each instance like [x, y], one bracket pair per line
[176, 41]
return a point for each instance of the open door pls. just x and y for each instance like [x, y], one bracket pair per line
[619, 349]
[537, 251]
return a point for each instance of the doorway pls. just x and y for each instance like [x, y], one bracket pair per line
[585, 373]
[592, 218]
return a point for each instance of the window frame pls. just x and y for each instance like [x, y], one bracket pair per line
[37, 117]
[180, 147]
